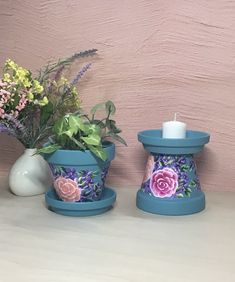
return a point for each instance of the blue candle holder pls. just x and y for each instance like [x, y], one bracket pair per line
[171, 185]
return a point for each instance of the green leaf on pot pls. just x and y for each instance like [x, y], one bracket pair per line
[92, 129]
[69, 133]
[99, 123]
[111, 125]
[97, 107]
[79, 144]
[99, 152]
[46, 112]
[92, 139]
[110, 107]
[49, 149]
[117, 138]
[60, 126]
[76, 123]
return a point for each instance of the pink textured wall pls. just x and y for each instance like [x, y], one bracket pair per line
[155, 58]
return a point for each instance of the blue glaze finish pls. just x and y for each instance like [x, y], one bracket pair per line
[181, 206]
[81, 170]
[171, 185]
[79, 209]
[153, 142]
[63, 157]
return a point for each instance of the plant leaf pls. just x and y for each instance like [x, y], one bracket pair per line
[99, 152]
[92, 128]
[111, 125]
[117, 138]
[79, 144]
[68, 132]
[46, 113]
[60, 126]
[76, 123]
[110, 107]
[99, 123]
[48, 149]
[92, 139]
[97, 107]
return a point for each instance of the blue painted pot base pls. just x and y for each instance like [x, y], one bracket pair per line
[170, 184]
[166, 206]
[80, 209]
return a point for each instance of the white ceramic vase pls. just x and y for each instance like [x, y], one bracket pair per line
[30, 175]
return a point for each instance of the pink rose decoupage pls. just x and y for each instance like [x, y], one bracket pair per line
[164, 183]
[149, 168]
[67, 189]
[170, 176]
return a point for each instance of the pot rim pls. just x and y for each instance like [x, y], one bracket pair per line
[106, 145]
[85, 157]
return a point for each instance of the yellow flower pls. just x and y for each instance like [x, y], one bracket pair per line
[76, 99]
[6, 77]
[74, 91]
[22, 76]
[11, 64]
[37, 87]
[21, 72]
[77, 102]
[43, 102]
[63, 81]
[30, 96]
[18, 74]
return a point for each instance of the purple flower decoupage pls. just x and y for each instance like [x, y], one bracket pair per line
[170, 176]
[86, 182]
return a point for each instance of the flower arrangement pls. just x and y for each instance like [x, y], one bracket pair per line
[47, 108]
[20, 94]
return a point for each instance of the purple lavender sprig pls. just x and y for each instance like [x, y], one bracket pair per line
[16, 124]
[80, 74]
[75, 56]
[83, 54]
[6, 129]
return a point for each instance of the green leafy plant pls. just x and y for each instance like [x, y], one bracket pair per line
[77, 131]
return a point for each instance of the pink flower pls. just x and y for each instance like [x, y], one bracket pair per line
[5, 96]
[67, 189]
[2, 112]
[3, 84]
[22, 103]
[149, 168]
[14, 113]
[164, 183]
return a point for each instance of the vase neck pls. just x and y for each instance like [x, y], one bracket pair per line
[30, 151]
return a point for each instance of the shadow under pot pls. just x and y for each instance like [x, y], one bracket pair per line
[79, 176]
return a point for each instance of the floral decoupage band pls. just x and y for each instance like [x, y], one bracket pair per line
[170, 176]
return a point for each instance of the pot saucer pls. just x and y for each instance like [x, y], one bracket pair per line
[80, 208]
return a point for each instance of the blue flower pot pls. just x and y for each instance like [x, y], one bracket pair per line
[171, 185]
[79, 176]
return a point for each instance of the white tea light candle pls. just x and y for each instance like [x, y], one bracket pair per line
[173, 129]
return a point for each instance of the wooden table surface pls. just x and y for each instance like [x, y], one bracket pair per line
[124, 244]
